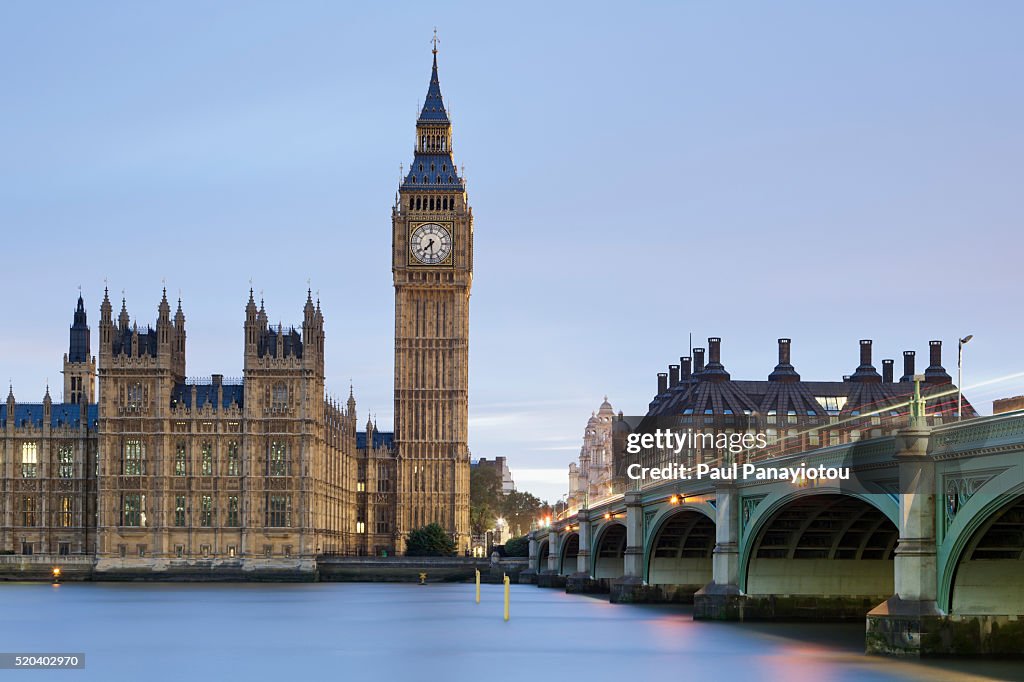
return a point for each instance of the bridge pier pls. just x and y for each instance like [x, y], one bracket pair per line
[901, 624]
[529, 576]
[630, 588]
[721, 598]
[549, 576]
[581, 581]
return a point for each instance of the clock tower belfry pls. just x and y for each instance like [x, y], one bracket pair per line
[432, 263]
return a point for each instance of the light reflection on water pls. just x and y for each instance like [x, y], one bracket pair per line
[158, 631]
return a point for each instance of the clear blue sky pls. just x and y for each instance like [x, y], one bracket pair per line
[825, 171]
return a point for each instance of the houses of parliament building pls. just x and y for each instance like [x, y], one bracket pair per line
[144, 468]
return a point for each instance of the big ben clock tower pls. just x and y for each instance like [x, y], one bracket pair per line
[432, 263]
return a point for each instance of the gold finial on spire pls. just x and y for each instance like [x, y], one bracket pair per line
[435, 41]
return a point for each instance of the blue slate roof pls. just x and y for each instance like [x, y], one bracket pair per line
[433, 171]
[381, 439]
[61, 414]
[207, 394]
[433, 107]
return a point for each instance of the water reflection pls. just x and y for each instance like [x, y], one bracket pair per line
[433, 632]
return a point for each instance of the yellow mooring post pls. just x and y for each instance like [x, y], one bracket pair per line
[478, 586]
[506, 597]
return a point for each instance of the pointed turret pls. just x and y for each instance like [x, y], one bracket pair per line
[351, 403]
[308, 310]
[433, 106]
[164, 309]
[78, 349]
[123, 319]
[179, 316]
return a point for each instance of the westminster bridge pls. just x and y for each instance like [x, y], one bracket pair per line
[926, 540]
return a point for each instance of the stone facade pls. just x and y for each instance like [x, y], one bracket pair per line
[592, 477]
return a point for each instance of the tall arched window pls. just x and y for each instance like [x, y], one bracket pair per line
[277, 459]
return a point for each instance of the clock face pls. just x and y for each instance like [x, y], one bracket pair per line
[431, 244]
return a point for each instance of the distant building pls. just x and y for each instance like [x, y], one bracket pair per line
[591, 478]
[499, 465]
[1008, 404]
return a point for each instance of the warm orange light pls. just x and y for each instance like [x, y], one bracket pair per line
[607, 515]
[674, 499]
[56, 571]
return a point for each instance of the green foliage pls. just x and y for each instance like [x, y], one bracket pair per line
[485, 498]
[519, 546]
[520, 510]
[430, 540]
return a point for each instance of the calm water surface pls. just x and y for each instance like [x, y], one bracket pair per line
[409, 632]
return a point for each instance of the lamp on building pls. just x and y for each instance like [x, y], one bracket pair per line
[960, 376]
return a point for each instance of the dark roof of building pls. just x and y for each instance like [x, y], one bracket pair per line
[122, 342]
[61, 414]
[291, 343]
[78, 349]
[381, 439]
[715, 393]
[206, 393]
[433, 171]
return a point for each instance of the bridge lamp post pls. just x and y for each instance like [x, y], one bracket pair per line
[960, 376]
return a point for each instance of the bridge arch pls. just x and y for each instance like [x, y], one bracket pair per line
[543, 550]
[570, 549]
[822, 542]
[982, 569]
[679, 550]
[609, 553]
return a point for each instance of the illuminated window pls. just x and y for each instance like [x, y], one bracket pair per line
[832, 404]
[133, 511]
[180, 460]
[135, 396]
[29, 460]
[179, 511]
[278, 511]
[64, 507]
[233, 464]
[66, 461]
[233, 511]
[28, 510]
[206, 511]
[361, 486]
[131, 461]
[360, 527]
[277, 462]
[206, 466]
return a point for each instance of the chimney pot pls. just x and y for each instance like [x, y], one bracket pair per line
[887, 370]
[673, 375]
[662, 382]
[865, 351]
[784, 355]
[698, 360]
[684, 363]
[714, 350]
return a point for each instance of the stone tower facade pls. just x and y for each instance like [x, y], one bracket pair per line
[79, 365]
[432, 263]
[252, 473]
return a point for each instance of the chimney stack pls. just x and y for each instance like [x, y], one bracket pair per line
[662, 382]
[784, 370]
[936, 373]
[908, 365]
[698, 360]
[673, 375]
[714, 370]
[887, 371]
[684, 363]
[866, 371]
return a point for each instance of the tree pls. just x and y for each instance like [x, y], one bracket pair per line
[519, 546]
[520, 509]
[430, 540]
[485, 498]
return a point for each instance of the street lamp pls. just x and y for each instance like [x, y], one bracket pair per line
[960, 376]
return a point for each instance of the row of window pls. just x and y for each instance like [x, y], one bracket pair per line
[133, 459]
[63, 517]
[30, 460]
[278, 512]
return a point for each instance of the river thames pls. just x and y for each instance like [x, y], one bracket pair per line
[335, 631]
